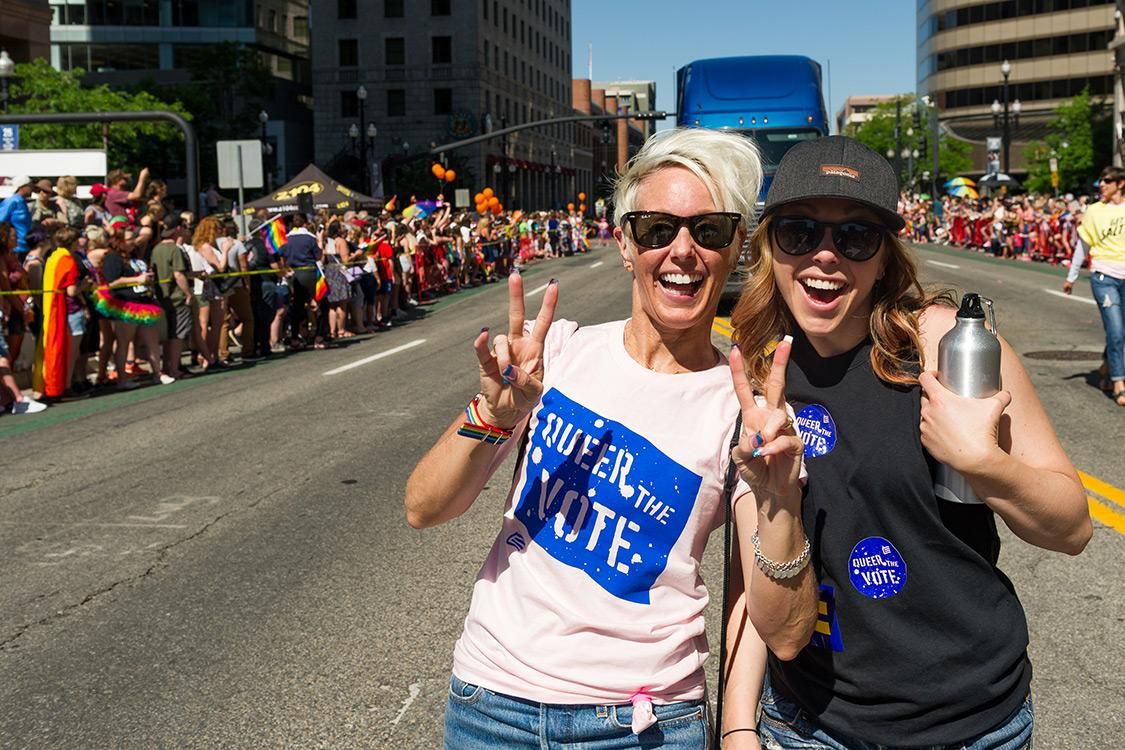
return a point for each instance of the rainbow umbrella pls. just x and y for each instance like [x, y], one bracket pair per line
[959, 182]
[963, 191]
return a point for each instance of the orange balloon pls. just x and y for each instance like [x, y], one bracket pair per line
[437, 171]
[582, 209]
[581, 196]
[450, 175]
[478, 198]
[569, 206]
[496, 209]
[487, 192]
[493, 201]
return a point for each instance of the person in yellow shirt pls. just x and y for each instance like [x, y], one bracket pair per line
[1103, 231]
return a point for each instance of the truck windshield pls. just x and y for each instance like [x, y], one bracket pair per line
[772, 144]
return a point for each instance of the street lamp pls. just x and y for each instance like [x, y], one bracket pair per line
[361, 97]
[997, 108]
[267, 149]
[7, 70]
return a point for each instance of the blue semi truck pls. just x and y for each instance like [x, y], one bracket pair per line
[777, 100]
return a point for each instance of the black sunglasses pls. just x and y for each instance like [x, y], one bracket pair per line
[652, 229]
[855, 240]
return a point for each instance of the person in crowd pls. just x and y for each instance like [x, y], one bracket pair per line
[919, 638]
[15, 308]
[263, 289]
[238, 296]
[68, 209]
[334, 307]
[15, 211]
[119, 199]
[97, 247]
[174, 293]
[64, 319]
[212, 300]
[44, 209]
[96, 212]
[301, 253]
[1102, 234]
[129, 302]
[586, 622]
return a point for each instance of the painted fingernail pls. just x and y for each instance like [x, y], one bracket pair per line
[484, 330]
[507, 373]
[516, 270]
[733, 347]
[553, 281]
[787, 339]
[758, 440]
[756, 453]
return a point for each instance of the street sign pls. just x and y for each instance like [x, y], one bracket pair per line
[246, 154]
[461, 198]
[9, 137]
[54, 162]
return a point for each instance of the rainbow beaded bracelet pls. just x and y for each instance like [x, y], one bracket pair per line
[476, 428]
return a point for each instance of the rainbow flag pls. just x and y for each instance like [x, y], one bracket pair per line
[389, 207]
[52, 350]
[274, 235]
[321, 284]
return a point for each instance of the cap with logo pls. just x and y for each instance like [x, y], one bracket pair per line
[98, 189]
[837, 167]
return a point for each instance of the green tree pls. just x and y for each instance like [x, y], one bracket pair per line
[878, 134]
[1080, 138]
[39, 88]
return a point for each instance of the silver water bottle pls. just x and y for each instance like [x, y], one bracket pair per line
[969, 365]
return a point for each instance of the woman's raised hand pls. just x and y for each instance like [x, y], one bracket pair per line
[768, 454]
[511, 373]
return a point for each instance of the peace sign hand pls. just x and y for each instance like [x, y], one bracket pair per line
[768, 454]
[511, 375]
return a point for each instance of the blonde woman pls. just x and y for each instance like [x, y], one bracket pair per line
[70, 212]
[212, 305]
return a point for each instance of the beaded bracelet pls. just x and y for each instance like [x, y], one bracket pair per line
[476, 428]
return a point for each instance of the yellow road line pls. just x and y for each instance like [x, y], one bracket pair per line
[1106, 515]
[1106, 491]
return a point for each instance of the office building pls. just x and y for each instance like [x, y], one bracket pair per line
[25, 31]
[125, 42]
[856, 111]
[1054, 50]
[436, 71]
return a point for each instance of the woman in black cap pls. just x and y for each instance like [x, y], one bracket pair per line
[918, 639]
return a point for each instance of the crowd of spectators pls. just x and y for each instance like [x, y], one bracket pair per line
[1023, 227]
[128, 290]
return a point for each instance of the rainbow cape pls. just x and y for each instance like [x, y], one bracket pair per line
[321, 284]
[275, 236]
[52, 348]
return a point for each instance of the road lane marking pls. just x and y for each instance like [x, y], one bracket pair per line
[1057, 293]
[1106, 515]
[943, 265]
[1104, 490]
[415, 689]
[595, 265]
[373, 357]
[68, 524]
[537, 289]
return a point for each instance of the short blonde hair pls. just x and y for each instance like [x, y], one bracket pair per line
[66, 186]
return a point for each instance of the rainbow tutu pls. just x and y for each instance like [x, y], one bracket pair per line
[127, 311]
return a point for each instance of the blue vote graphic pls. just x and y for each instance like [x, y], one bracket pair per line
[877, 569]
[602, 498]
[818, 430]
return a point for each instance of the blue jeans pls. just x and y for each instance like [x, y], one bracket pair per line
[1109, 294]
[477, 718]
[785, 726]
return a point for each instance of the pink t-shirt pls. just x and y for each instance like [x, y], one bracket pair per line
[592, 590]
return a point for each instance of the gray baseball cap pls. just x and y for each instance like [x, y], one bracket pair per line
[837, 167]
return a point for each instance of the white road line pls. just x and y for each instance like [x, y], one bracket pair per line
[943, 265]
[373, 357]
[537, 289]
[415, 689]
[595, 265]
[1057, 293]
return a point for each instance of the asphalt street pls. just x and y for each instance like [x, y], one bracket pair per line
[224, 562]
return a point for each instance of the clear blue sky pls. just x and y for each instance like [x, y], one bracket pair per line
[871, 43]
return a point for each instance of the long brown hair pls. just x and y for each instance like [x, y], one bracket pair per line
[207, 232]
[761, 317]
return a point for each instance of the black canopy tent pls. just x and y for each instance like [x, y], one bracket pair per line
[324, 191]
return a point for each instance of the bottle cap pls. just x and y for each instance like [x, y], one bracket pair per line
[971, 307]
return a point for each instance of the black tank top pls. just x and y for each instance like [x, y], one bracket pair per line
[920, 638]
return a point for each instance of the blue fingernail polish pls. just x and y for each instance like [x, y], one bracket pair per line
[507, 372]
[758, 440]
[756, 453]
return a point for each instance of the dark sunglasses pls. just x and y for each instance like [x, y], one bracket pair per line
[652, 230]
[855, 240]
